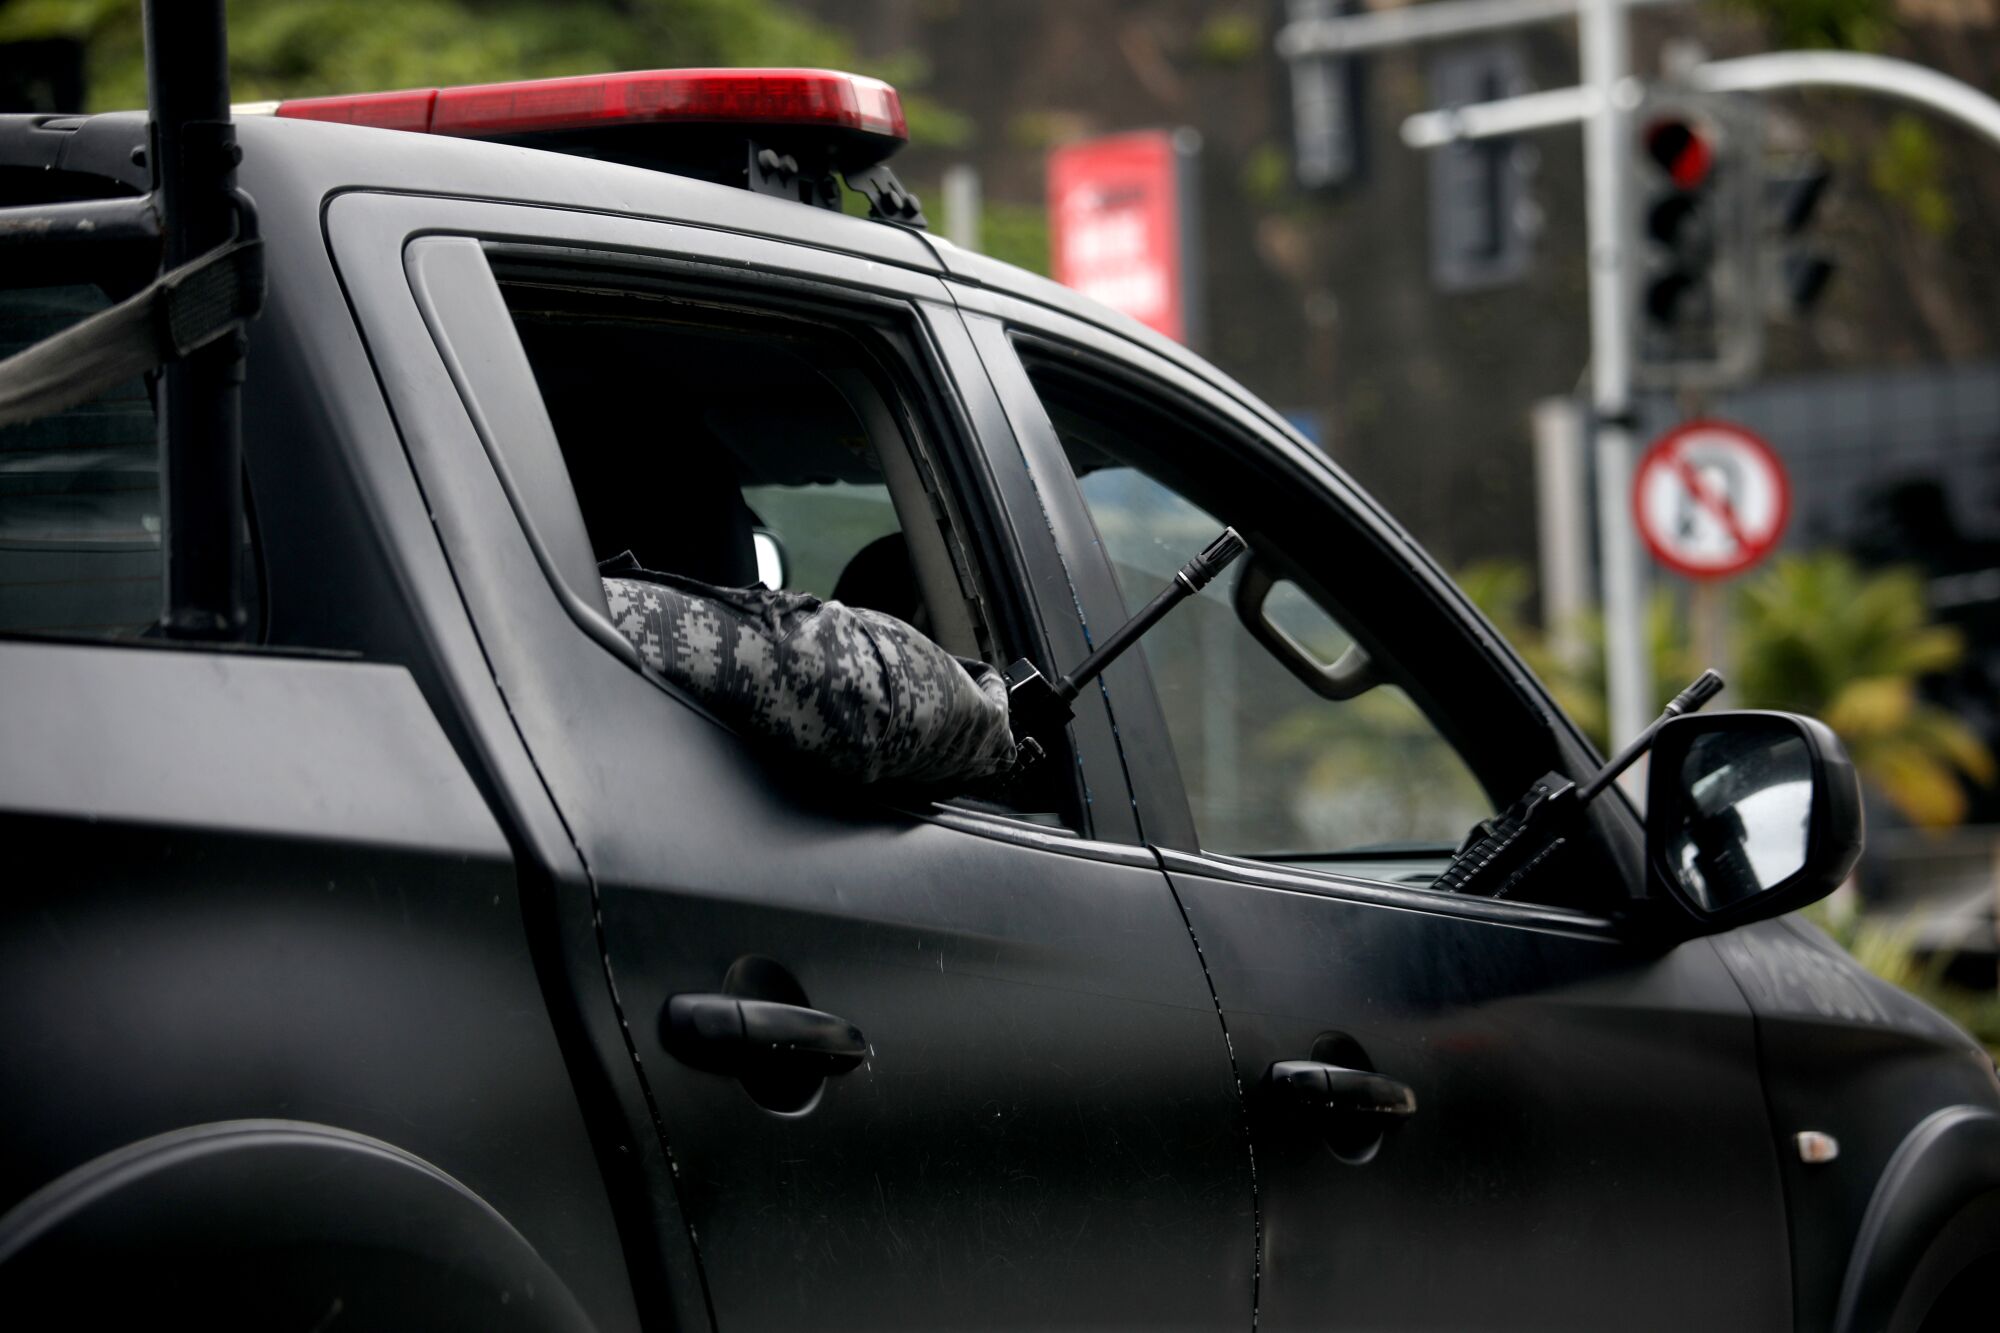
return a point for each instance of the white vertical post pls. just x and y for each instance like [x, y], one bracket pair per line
[1562, 523]
[961, 205]
[1605, 53]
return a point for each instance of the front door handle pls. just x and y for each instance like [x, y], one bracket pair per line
[1312, 1086]
[723, 1034]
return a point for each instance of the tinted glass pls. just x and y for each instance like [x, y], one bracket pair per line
[79, 494]
[1271, 768]
[822, 527]
[708, 450]
[737, 446]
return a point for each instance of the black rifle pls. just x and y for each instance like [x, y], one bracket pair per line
[1038, 707]
[1502, 852]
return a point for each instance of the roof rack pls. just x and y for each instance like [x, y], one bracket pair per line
[200, 232]
[782, 132]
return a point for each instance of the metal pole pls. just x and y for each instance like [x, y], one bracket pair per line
[1507, 116]
[1777, 71]
[1605, 51]
[1562, 513]
[1861, 73]
[193, 154]
[961, 205]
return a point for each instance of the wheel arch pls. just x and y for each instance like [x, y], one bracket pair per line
[1935, 1211]
[262, 1221]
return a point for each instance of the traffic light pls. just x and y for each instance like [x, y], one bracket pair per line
[1793, 193]
[1484, 219]
[1698, 302]
[1329, 139]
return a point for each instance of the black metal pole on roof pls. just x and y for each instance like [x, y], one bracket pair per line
[193, 154]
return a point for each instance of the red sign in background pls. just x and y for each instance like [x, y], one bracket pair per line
[1711, 499]
[1115, 226]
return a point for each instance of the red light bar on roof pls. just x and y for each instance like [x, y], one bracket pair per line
[794, 98]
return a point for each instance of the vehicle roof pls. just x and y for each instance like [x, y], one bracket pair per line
[308, 159]
[327, 158]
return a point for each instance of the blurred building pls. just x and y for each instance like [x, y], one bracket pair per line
[1885, 403]
[1326, 303]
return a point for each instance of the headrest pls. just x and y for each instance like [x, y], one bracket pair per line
[677, 507]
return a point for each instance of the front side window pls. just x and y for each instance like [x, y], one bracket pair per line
[1273, 768]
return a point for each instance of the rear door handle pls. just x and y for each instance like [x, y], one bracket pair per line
[1312, 1086]
[722, 1034]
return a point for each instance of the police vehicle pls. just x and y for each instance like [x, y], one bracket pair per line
[386, 945]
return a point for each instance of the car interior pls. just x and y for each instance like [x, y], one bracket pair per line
[738, 447]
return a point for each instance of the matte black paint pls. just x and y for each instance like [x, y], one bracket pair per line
[266, 1224]
[1819, 1239]
[365, 895]
[1849, 1055]
[260, 887]
[971, 963]
[1554, 1071]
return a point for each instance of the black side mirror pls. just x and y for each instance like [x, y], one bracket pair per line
[1748, 815]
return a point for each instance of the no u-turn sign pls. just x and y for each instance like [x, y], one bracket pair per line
[1711, 499]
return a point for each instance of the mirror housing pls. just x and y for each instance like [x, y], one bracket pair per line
[1353, 673]
[1749, 815]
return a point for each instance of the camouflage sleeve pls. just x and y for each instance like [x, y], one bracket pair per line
[861, 694]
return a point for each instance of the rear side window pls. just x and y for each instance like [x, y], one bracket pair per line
[79, 494]
[736, 448]
[736, 444]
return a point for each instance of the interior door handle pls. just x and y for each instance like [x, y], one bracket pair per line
[722, 1034]
[1312, 1086]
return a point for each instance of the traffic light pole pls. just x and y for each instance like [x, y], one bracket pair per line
[1605, 46]
[1780, 70]
[1777, 71]
[1602, 103]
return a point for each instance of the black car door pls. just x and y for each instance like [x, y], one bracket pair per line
[1564, 1130]
[1044, 1129]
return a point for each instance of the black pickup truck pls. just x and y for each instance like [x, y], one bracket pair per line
[409, 953]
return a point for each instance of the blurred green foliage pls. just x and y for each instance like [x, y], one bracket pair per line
[303, 48]
[1267, 174]
[1818, 635]
[1231, 37]
[1847, 25]
[1907, 167]
[1906, 164]
[1043, 128]
[1017, 234]
[1810, 634]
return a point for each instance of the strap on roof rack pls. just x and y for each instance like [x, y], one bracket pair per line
[183, 309]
